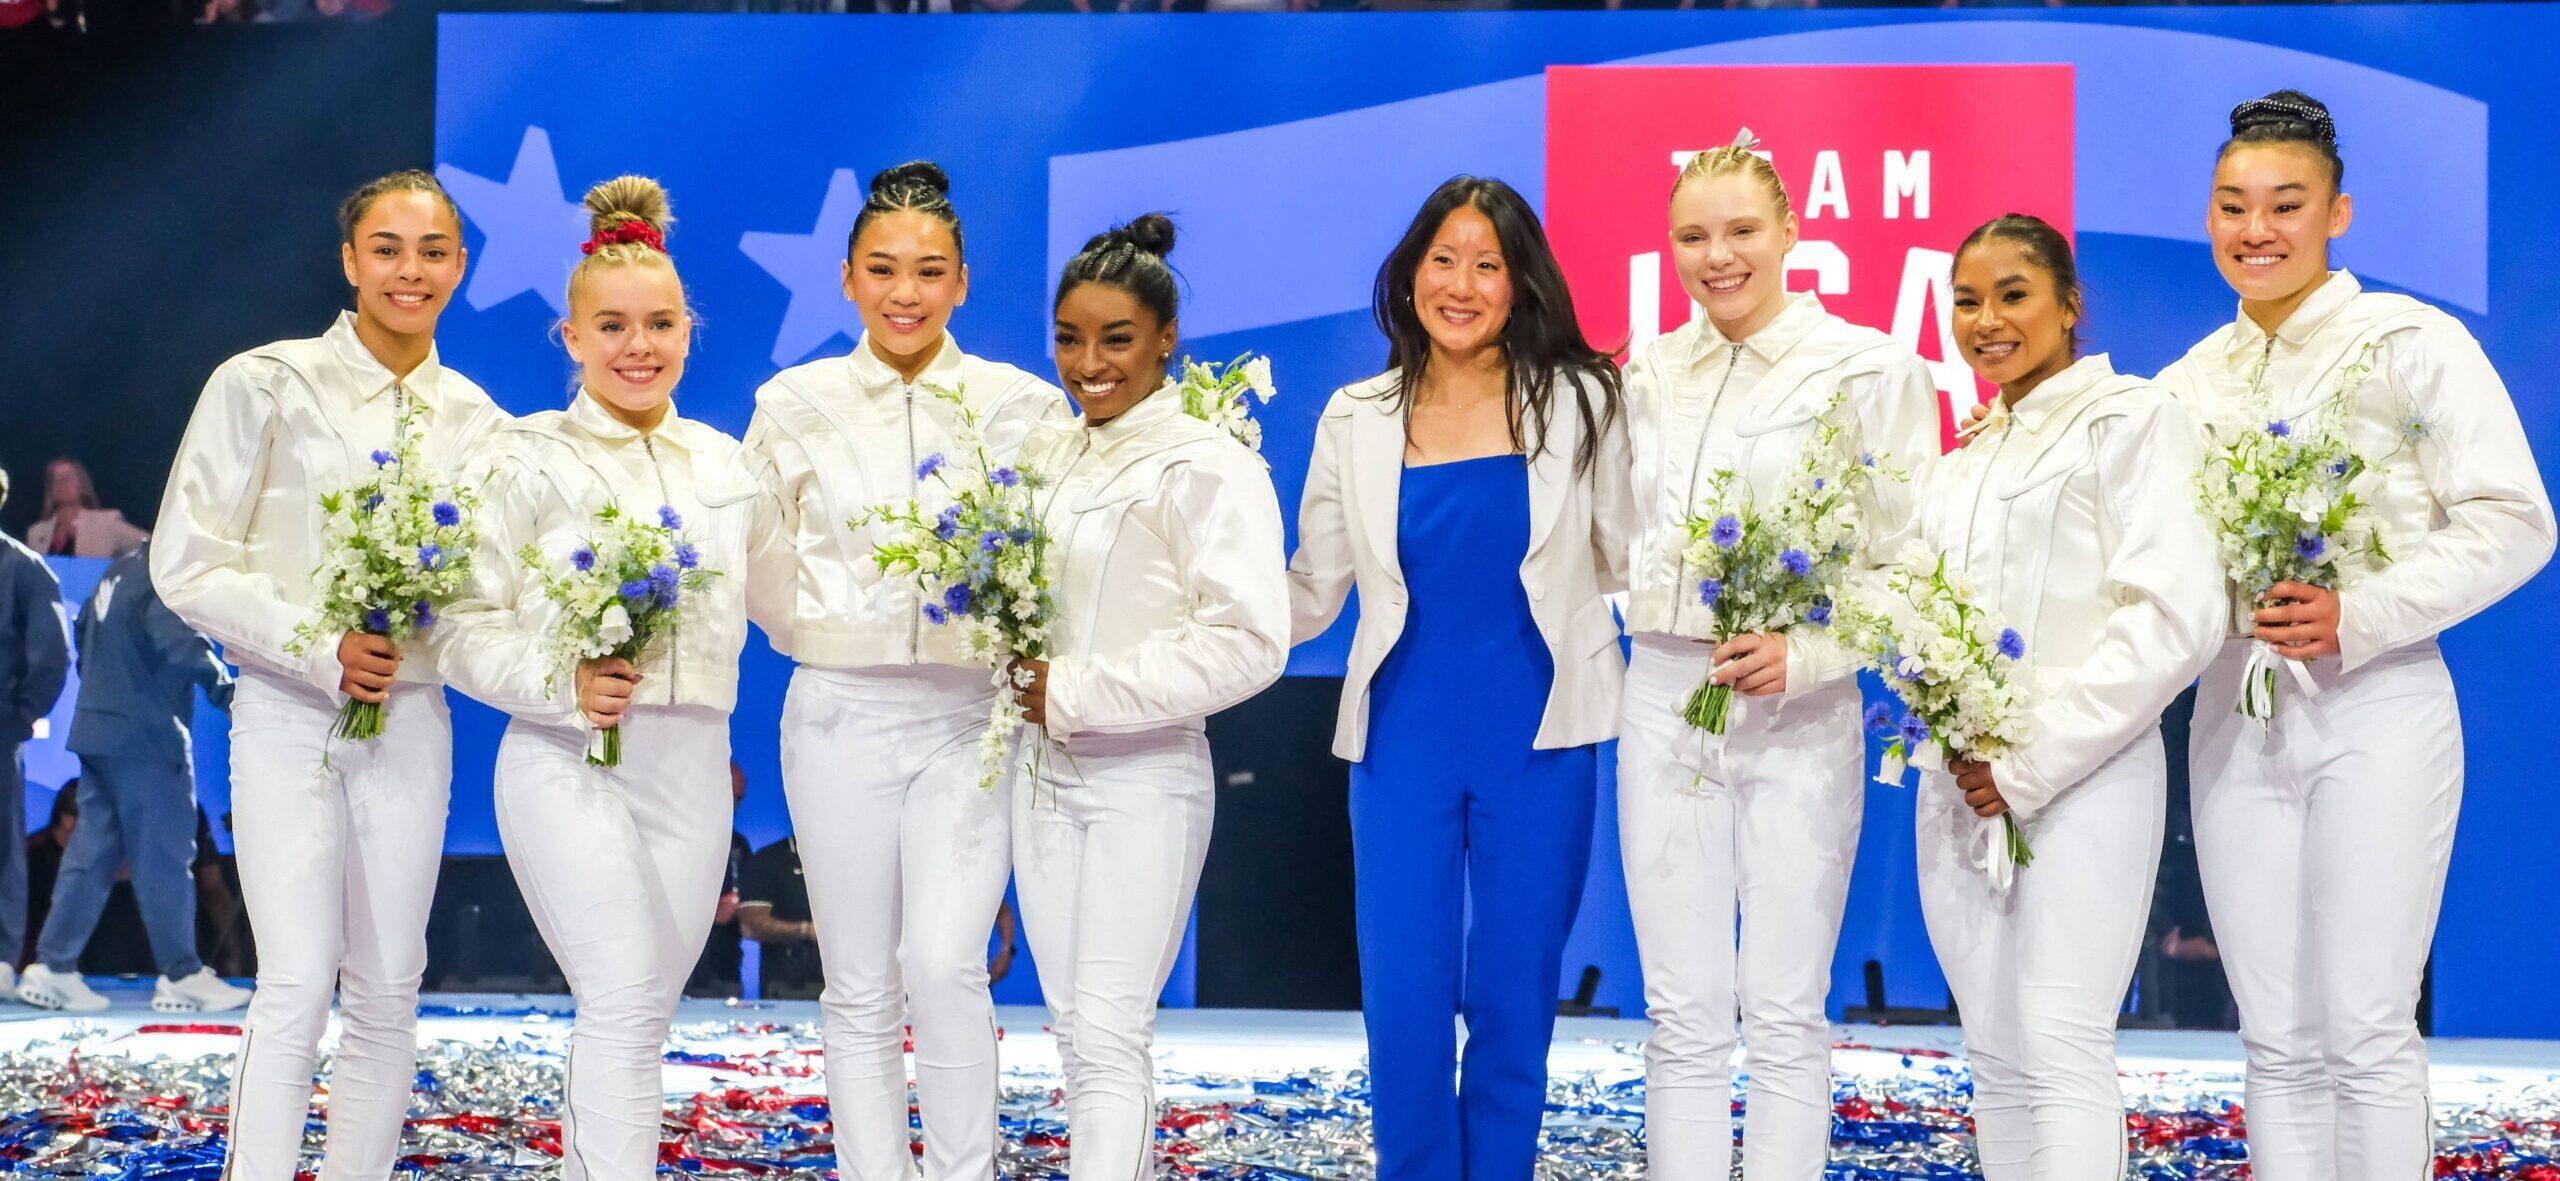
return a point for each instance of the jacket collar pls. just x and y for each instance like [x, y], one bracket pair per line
[2315, 312]
[592, 419]
[1801, 315]
[873, 375]
[2060, 394]
[372, 379]
[1137, 421]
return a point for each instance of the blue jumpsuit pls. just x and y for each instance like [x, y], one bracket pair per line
[1469, 846]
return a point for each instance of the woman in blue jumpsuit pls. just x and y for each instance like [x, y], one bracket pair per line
[1475, 494]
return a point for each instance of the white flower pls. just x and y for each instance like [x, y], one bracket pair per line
[1257, 377]
[615, 626]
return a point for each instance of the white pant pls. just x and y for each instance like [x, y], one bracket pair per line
[2039, 971]
[906, 859]
[1108, 842]
[621, 868]
[2323, 847]
[1768, 824]
[338, 847]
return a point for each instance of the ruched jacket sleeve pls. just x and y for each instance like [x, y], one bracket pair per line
[1228, 636]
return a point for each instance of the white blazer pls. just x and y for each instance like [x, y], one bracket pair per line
[1347, 537]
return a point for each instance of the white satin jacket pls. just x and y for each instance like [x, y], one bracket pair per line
[555, 469]
[2460, 504]
[239, 530]
[846, 434]
[1698, 403]
[1165, 557]
[2072, 515]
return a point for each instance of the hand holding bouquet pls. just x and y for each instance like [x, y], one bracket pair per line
[1768, 567]
[1953, 666]
[977, 563]
[396, 549]
[625, 587]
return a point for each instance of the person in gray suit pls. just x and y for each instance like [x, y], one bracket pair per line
[35, 653]
[140, 667]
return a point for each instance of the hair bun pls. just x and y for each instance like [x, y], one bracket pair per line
[904, 179]
[1150, 232]
[2285, 107]
[628, 198]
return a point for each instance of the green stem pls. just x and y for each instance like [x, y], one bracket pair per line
[1708, 706]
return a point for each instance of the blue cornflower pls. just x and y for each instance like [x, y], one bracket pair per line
[1880, 720]
[667, 517]
[1022, 536]
[934, 614]
[1796, 561]
[664, 594]
[2280, 429]
[947, 522]
[956, 597]
[1727, 531]
[377, 621]
[991, 541]
[2310, 546]
[662, 577]
[1005, 477]
[447, 514]
[422, 614]
[687, 556]
[381, 459]
[1819, 614]
[1710, 590]
[1866, 459]
[932, 463]
[1818, 483]
[636, 589]
[2012, 645]
[373, 502]
[2339, 468]
[582, 559]
[431, 556]
[1913, 731]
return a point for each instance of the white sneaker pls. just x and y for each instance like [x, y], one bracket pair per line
[47, 989]
[203, 992]
[8, 980]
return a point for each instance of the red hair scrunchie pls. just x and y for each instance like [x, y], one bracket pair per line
[632, 230]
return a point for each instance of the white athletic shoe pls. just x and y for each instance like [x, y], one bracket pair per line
[47, 989]
[203, 992]
[8, 980]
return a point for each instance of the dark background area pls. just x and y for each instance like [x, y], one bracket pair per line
[194, 228]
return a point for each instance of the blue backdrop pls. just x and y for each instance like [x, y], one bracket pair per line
[1292, 148]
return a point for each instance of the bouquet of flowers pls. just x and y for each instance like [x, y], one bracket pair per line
[977, 562]
[397, 549]
[1217, 394]
[2282, 497]
[1954, 668]
[625, 587]
[1767, 568]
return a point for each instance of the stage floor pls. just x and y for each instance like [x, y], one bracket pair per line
[1248, 1094]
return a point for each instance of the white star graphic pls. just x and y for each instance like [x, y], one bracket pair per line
[530, 232]
[812, 266]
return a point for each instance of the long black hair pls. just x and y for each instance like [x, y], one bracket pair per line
[1541, 338]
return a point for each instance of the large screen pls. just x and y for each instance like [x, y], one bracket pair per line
[1292, 149]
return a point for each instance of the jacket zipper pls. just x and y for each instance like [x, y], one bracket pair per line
[1697, 461]
[1991, 464]
[675, 632]
[915, 618]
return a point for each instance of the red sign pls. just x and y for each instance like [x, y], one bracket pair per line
[1889, 168]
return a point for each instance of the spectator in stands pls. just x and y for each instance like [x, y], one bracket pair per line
[74, 523]
[140, 667]
[44, 859]
[717, 972]
[773, 910]
[35, 655]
